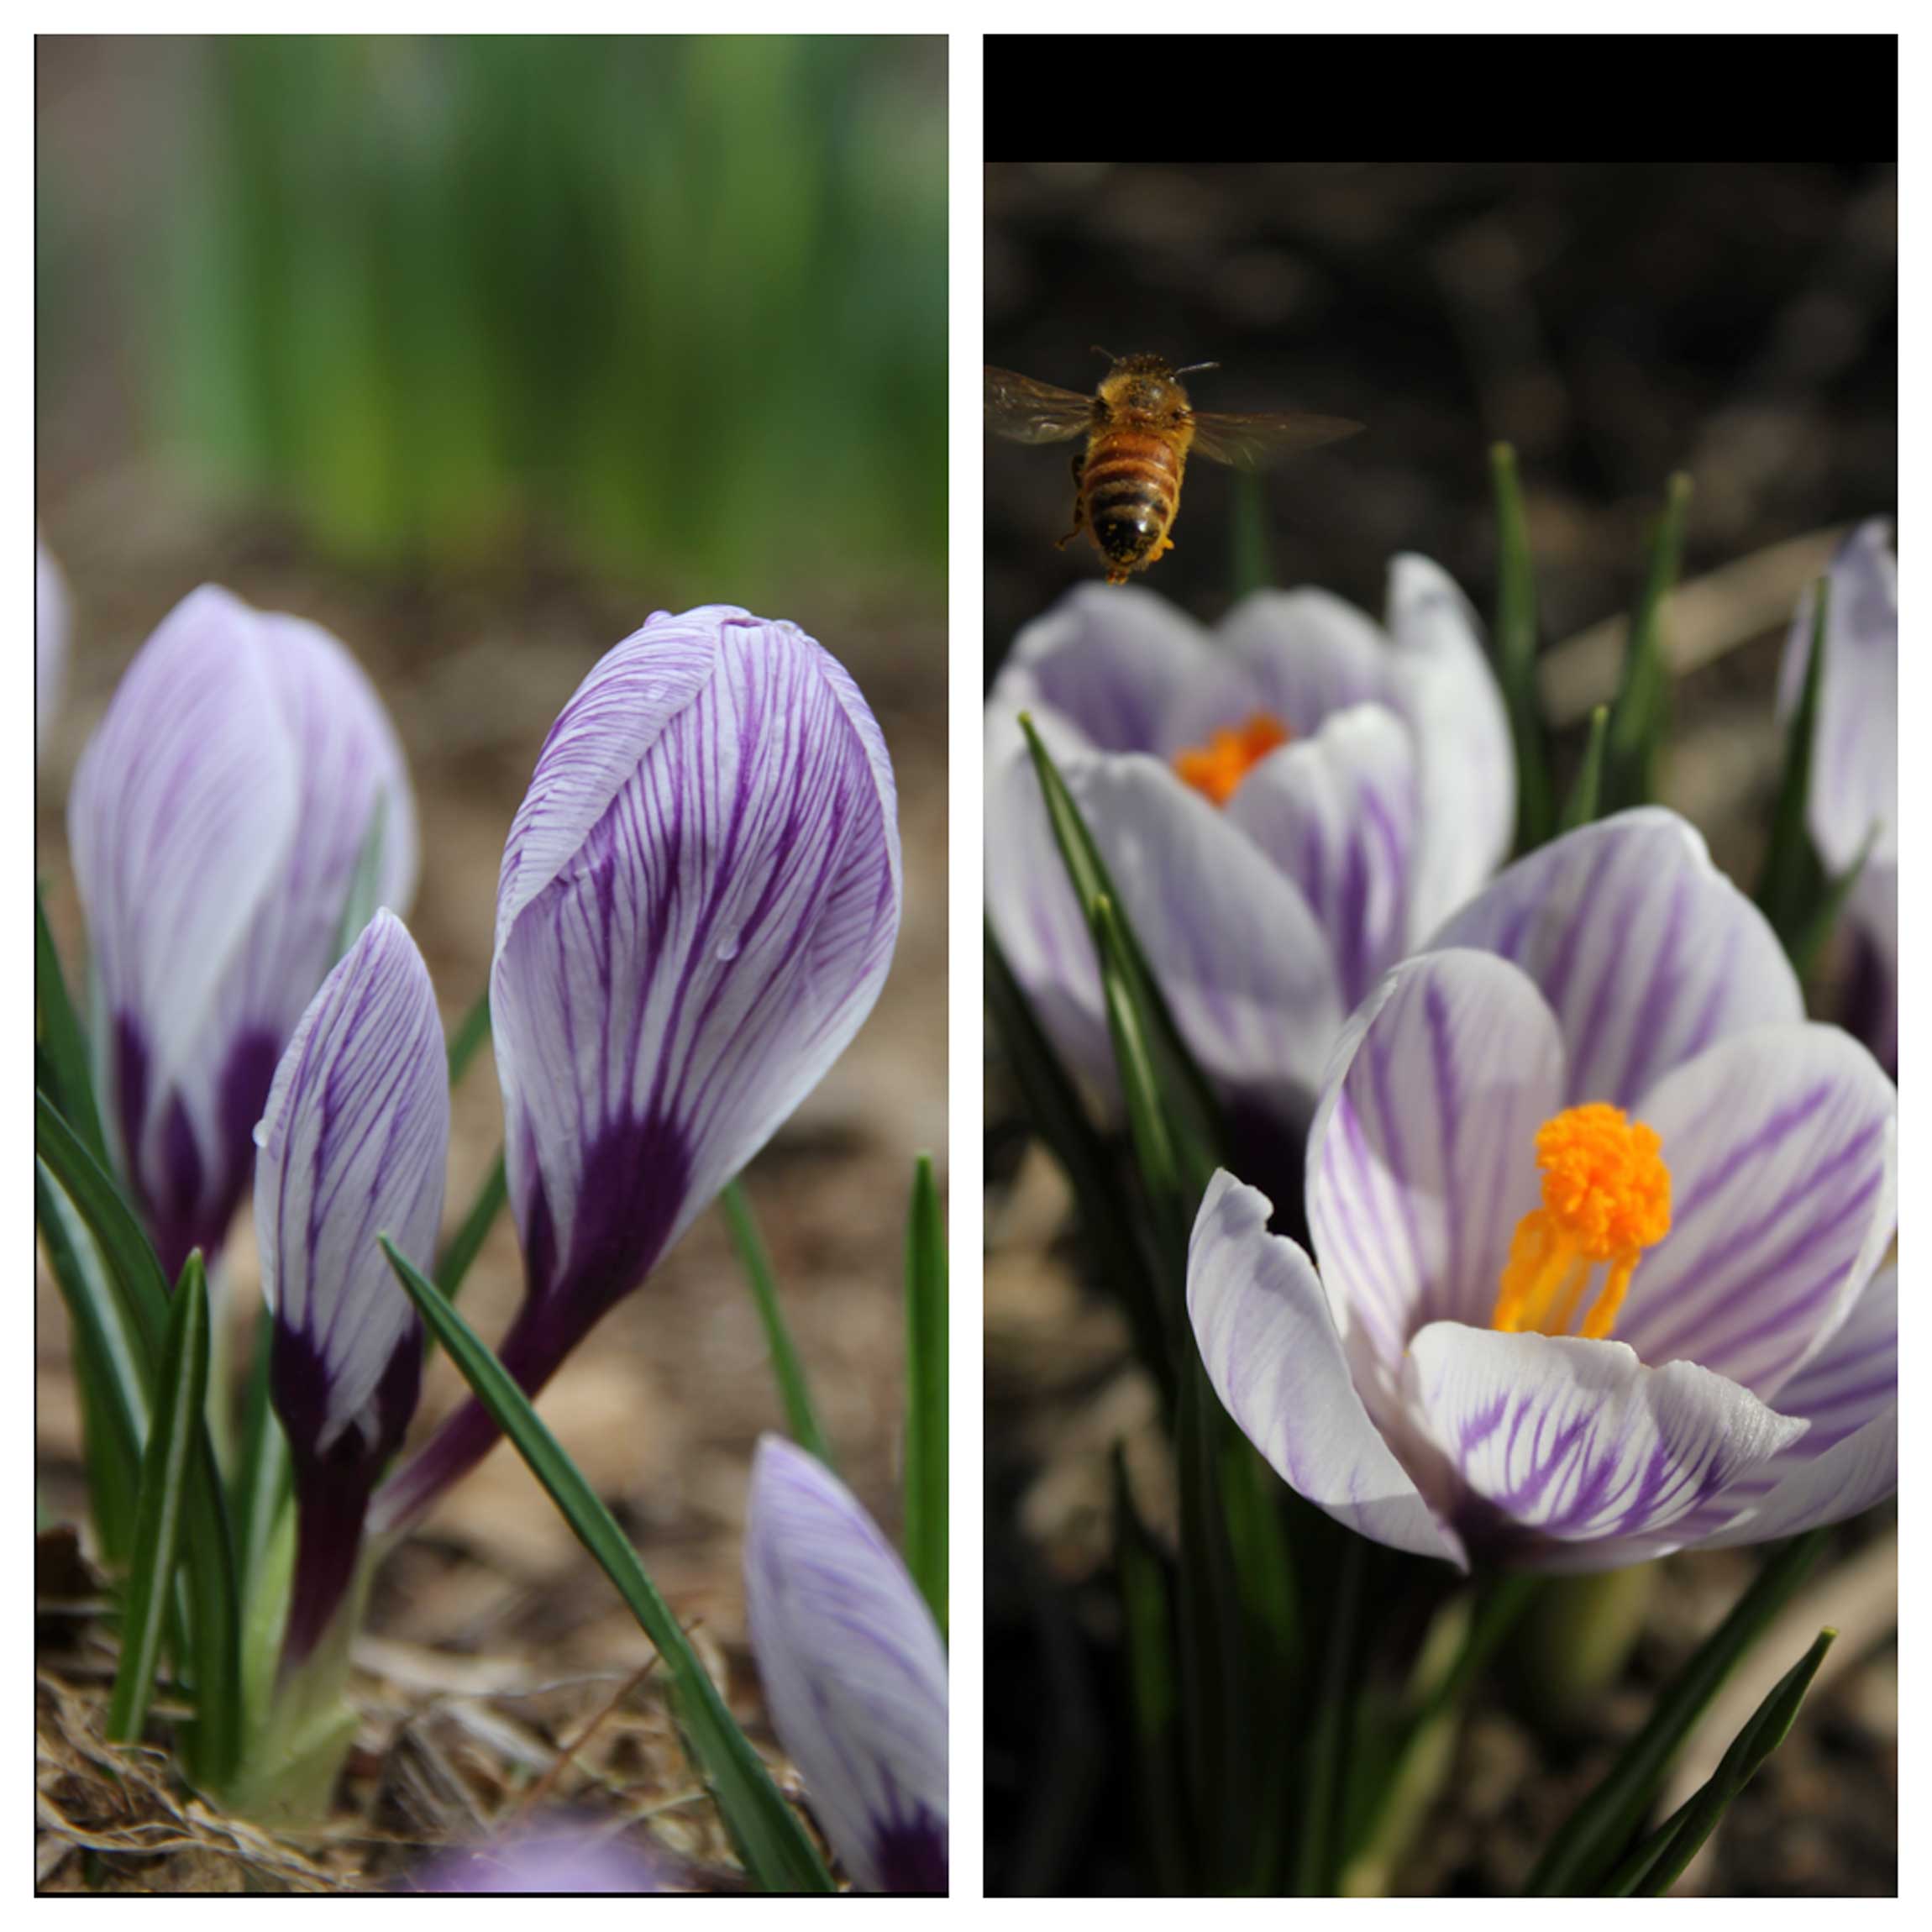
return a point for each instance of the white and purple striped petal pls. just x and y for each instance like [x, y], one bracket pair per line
[1310, 654]
[353, 1145]
[1646, 952]
[1421, 1159]
[1848, 1459]
[854, 1669]
[216, 819]
[1269, 1345]
[697, 907]
[1114, 662]
[50, 640]
[1466, 762]
[1781, 1146]
[1337, 813]
[1560, 1440]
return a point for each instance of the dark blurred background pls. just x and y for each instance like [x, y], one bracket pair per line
[1615, 323]
[478, 352]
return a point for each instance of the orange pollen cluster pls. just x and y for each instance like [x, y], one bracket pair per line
[1606, 1198]
[1217, 768]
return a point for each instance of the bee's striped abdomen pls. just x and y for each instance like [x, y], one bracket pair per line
[1131, 487]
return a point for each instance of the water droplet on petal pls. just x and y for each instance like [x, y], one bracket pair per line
[727, 947]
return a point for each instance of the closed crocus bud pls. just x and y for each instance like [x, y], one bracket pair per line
[854, 1669]
[50, 641]
[217, 818]
[697, 907]
[353, 1146]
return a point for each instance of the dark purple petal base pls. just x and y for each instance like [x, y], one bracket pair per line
[913, 1855]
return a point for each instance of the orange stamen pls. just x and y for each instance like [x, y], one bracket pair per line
[1606, 1198]
[1217, 768]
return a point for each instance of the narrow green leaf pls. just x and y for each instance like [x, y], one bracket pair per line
[926, 1469]
[467, 1242]
[1054, 1105]
[1251, 571]
[471, 1032]
[1189, 1091]
[1659, 1861]
[1586, 794]
[261, 1480]
[114, 1394]
[774, 1845]
[1154, 1696]
[166, 1468]
[61, 1045]
[1586, 1846]
[359, 903]
[788, 1366]
[1809, 942]
[1640, 713]
[1516, 651]
[1792, 881]
[133, 1287]
[139, 1289]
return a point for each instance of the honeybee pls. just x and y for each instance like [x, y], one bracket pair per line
[1140, 429]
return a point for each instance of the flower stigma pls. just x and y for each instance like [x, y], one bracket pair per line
[1216, 768]
[1606, 1198]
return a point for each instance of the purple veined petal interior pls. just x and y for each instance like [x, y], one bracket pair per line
[1270, 1347]
[1114, 662]
[353, 1145]
[1466, 761]
[1310, 653]
[1337, 812]
[1781, 1144]
[1565, 1440]
[1422, 1158]
[1646, 952]
[853, 1670]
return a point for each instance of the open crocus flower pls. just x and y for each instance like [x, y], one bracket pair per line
[353, 1146]
[1287, 807]
[217, 817]
[1855, 760]
[853, 1668]
[50, 640]
[1599, 1218]
[696, 910]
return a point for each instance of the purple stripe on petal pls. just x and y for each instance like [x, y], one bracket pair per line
[1645, 951]
[1422, 1158]
[1571, 1440]
[1780, 1145]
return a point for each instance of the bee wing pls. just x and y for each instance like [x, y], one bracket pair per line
[1028, 412]
[1248, 441]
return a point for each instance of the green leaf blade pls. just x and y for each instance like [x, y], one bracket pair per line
[774, 1845]
[926, 1468]
[1515, 640]
[787, 1364]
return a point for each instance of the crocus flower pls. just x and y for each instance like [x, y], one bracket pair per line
[353, 1145]
[563, 1855]
[1287, 807]
[1855, 760]
[50, 640]
[217, 816]
[853, 1668]
[696, 909]
[1599, 1219]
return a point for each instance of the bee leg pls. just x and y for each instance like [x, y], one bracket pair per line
[1079, 504]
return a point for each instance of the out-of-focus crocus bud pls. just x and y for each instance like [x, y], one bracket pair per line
[50, 641]
[217, 818]
[353, 1146]
[853, 1668]
[567, 1854]
[696, 910]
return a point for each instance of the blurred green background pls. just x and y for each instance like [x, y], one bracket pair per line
[669, 310]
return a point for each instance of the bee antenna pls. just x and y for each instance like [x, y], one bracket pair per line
[1193, 367]
[1108, 352]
